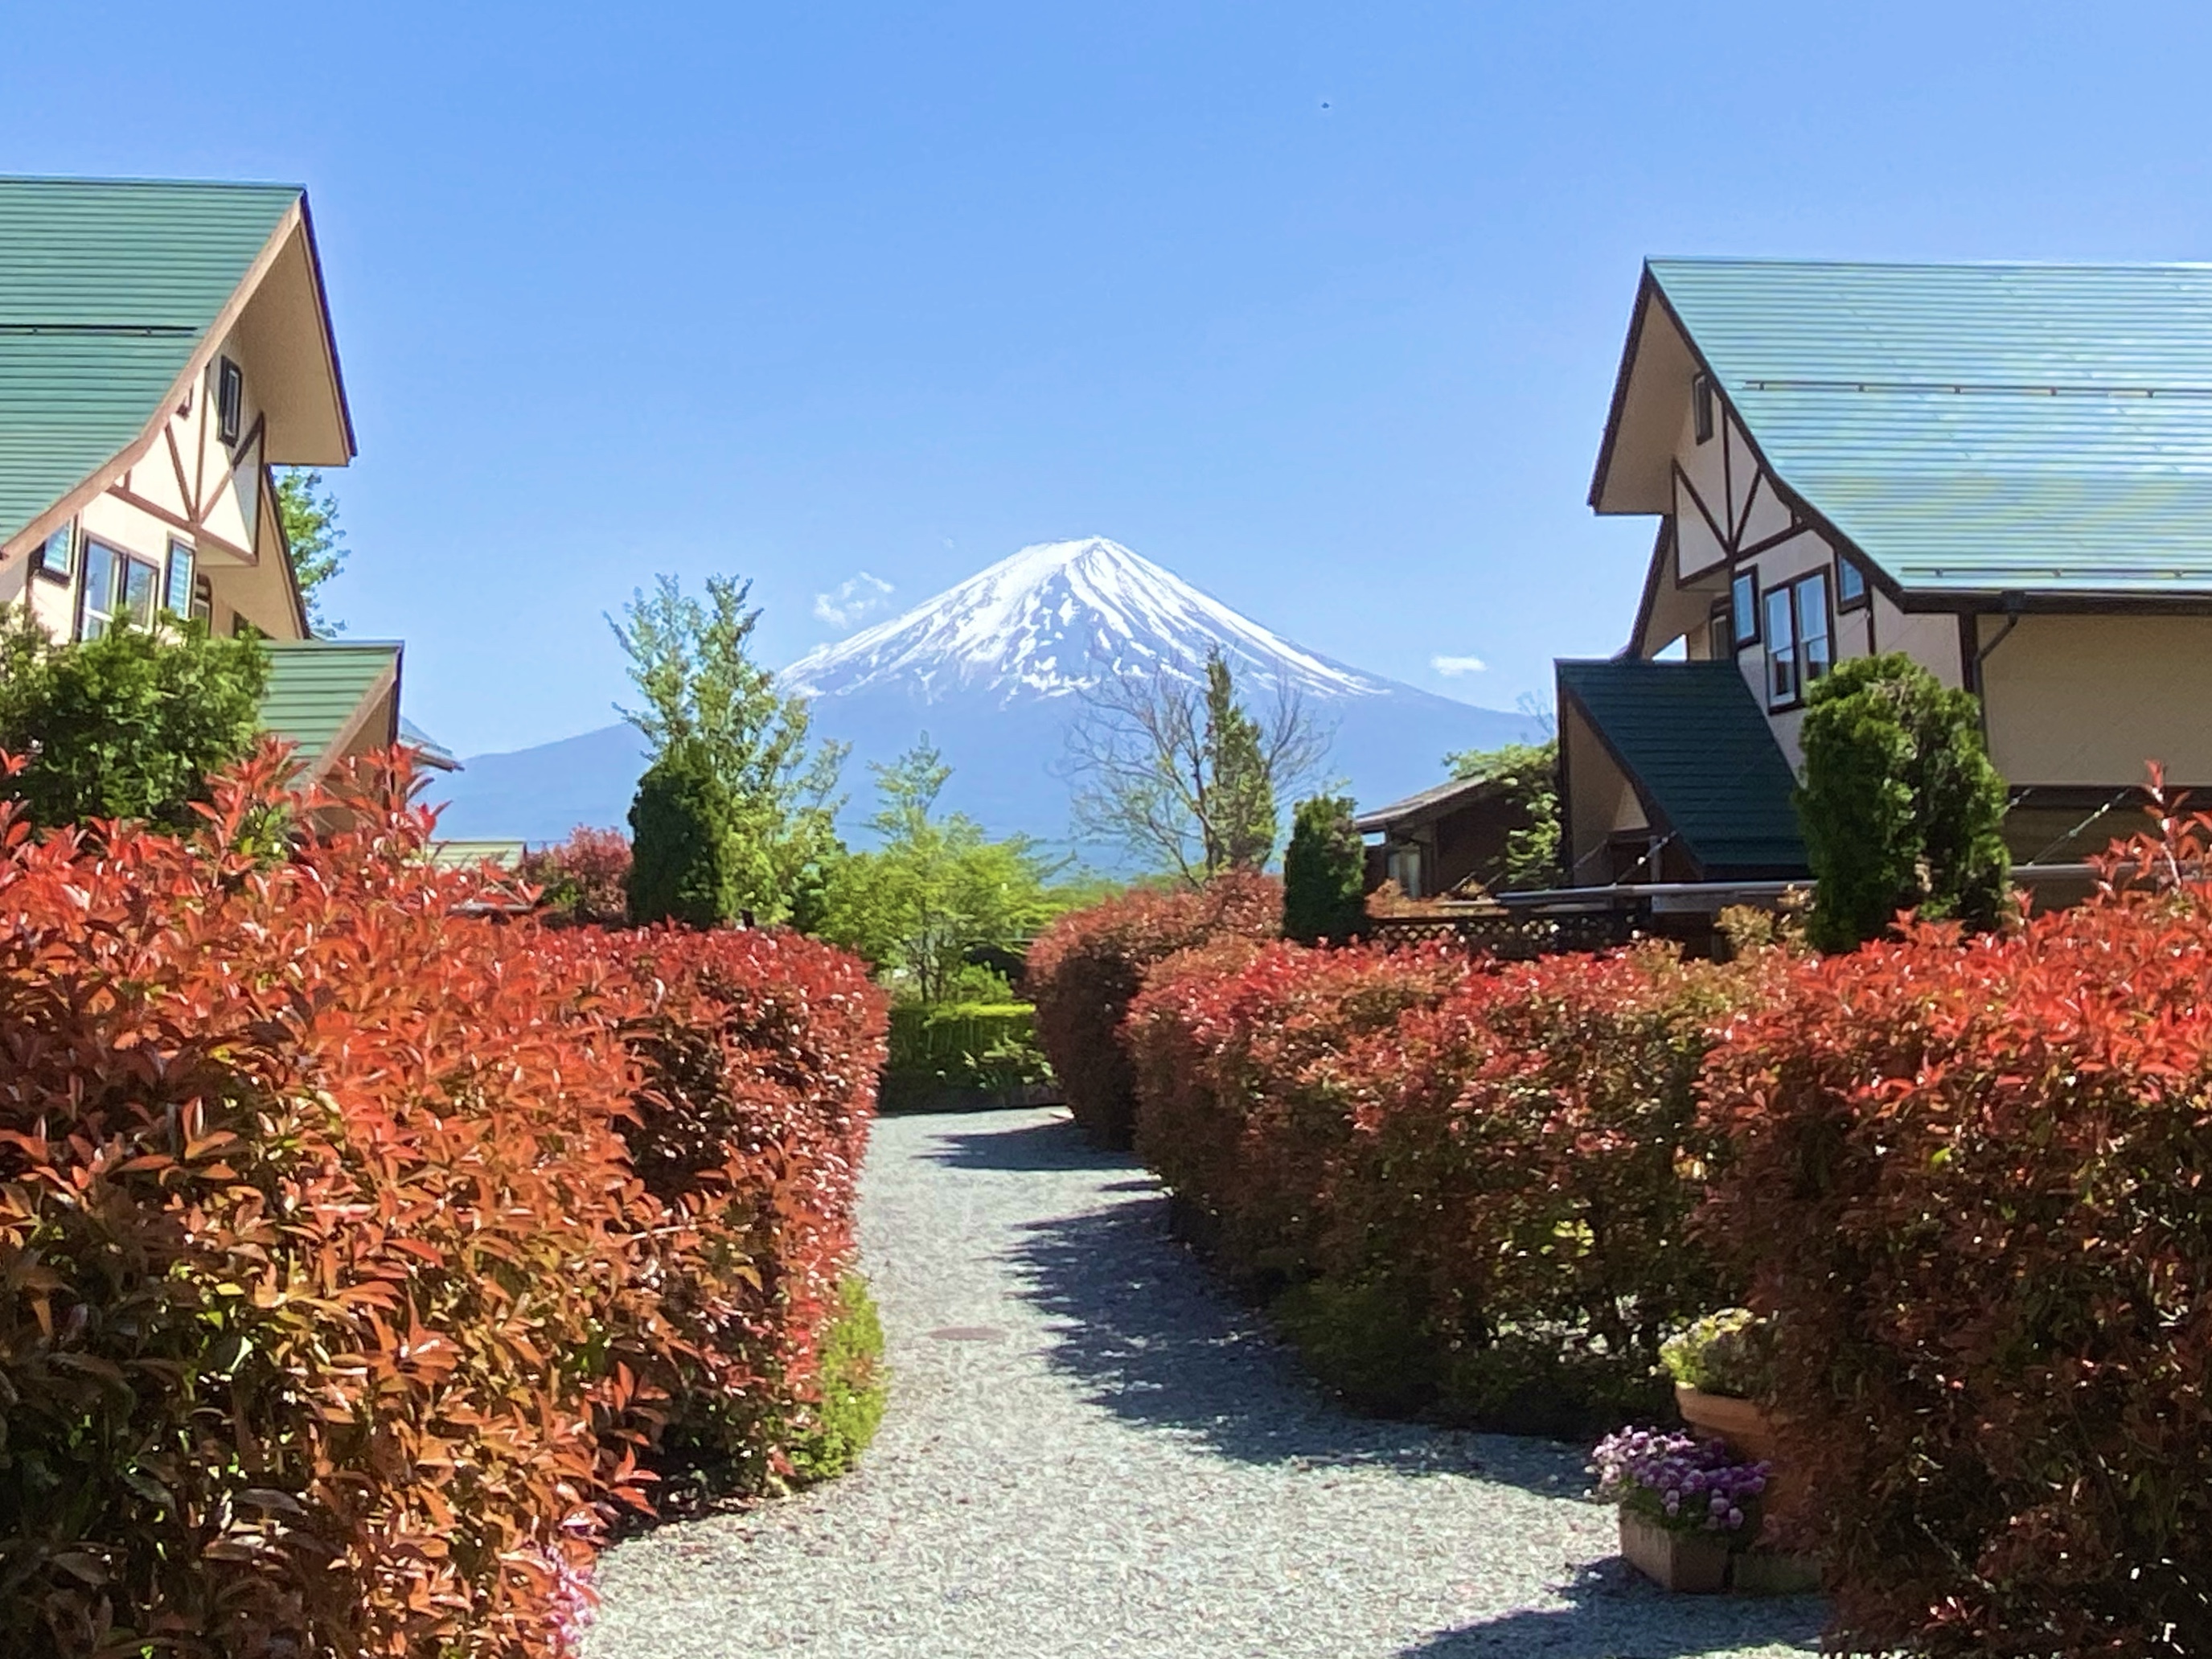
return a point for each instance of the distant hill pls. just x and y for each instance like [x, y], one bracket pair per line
[993, 669]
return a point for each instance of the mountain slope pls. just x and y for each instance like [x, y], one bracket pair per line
[994, 670]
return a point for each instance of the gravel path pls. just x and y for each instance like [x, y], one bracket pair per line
[1091, 1451]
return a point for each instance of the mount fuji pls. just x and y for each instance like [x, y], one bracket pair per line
[994, 670]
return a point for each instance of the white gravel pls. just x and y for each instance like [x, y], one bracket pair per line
[1091, 1450]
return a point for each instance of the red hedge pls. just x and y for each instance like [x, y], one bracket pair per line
[1968, 1178]
[1474, 1178]
[1085, 967]
[333, 1310]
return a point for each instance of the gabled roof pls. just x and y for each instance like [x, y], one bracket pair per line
[324, 694]
[1693, 744]
[1429, 805]
[1973, 428]
[108, 290]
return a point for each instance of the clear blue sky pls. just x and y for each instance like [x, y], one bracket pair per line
[1317, 304]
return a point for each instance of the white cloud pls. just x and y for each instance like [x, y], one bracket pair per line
[852, 600]
[1452, 667]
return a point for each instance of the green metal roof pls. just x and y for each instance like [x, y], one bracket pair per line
[1692, 740]
[1975, 428]
[315, 686]
[106, 287]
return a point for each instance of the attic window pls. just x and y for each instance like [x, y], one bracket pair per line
[56, 555]
[1743, 604]
[1850, 583]
[229, 401]
[1701, 406]
[176, 591]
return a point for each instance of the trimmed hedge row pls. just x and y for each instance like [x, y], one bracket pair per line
[1088, 965]
[1965, 1178]
[1466, 1186]
[359, 1255]
[1968, 1181]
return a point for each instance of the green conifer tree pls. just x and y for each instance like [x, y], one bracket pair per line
[1324, 874]
[1900, 807]
[683, 865]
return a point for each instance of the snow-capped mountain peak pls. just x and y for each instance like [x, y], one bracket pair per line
[1056, 617]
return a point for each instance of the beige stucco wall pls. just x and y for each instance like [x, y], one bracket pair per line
[2087, 700]
[1599, 801]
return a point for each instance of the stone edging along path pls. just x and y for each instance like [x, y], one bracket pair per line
[1091, 1449]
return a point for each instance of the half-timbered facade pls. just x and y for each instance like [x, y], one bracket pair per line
[2003, 470]
[163, 348]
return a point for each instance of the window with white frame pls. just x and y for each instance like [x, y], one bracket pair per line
[177, 589]
[1743, 606]
[117, 587]
[1799, 642]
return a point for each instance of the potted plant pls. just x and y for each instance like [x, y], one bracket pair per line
[1687, 1505]
[1723, 1367]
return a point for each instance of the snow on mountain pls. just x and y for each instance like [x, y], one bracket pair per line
[1052, 619]
[993, 669]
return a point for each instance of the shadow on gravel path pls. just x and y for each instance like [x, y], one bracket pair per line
[1056, 1144]
[1140, 1324]
[1612, 1612]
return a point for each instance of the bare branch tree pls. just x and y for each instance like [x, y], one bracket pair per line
[1176, 778]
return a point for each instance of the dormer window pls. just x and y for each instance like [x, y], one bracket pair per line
[229, 400]
[1701, 407]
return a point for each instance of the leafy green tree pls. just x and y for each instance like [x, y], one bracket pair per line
[309, 513]
[1183, 774]
[1324, 873]
[1900, 807]
[936, 888]
[1240, 817]
[692, 663]
[683, 857]
[1529, 773]
[129, 725]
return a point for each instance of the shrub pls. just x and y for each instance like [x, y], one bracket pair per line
[1966, 1184]
[582, 882]
[338, 1311]
[853, 1389]
[1324, 874]
[684, 864]
[129, 725]
[1482, 1171]
[965, 1046]
[1085, 967]
[1901, 809]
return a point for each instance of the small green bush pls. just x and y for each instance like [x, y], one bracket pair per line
[989, 1046]
[1324, 874]
[854, 1389]
[131, 725]
[683, 865]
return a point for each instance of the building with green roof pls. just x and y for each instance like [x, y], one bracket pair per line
[2004, 470]
[164, 346]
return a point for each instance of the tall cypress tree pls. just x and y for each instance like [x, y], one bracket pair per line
[1240, 815]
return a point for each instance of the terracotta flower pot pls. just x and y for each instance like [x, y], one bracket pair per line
[1749, 1432]
[1694, 1563]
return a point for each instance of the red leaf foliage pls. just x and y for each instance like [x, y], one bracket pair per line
[583, 881]
[1968, 1178]
[346, 1275]
[1085, 967]
[1508, 1153]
